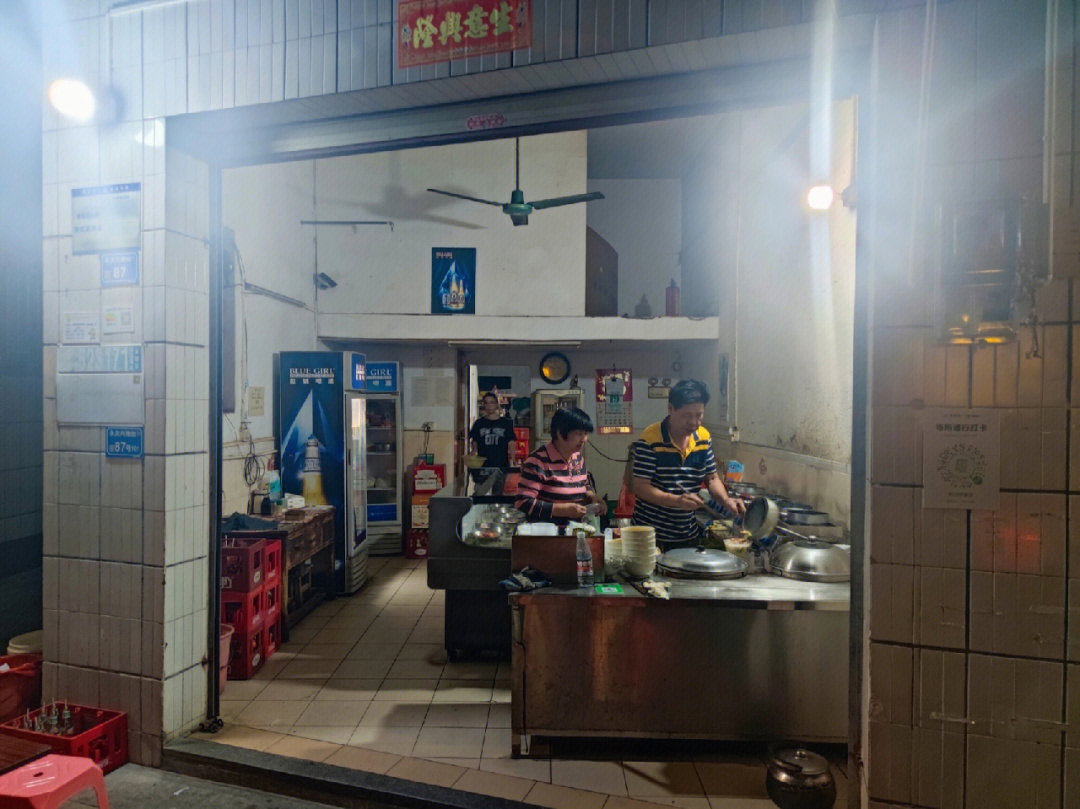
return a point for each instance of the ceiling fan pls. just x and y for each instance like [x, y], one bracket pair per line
[517, 208]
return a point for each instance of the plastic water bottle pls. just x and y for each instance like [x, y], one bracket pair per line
[584, 561]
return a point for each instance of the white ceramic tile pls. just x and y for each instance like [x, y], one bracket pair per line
[890, 683]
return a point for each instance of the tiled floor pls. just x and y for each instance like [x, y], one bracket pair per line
[363, 682]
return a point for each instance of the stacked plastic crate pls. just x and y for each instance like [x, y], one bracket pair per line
[251, 593]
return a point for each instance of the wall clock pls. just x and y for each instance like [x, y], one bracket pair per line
[554, 368]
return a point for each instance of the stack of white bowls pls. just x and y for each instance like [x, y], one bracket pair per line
[639, 550]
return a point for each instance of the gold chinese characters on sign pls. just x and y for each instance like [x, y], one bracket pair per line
[442, 30]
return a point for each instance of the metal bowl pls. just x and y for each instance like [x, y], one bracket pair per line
[810, 560]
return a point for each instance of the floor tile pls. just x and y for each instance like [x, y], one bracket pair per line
[301, 635]
[356, 758]
[327, 651]
[334, 735]
[348, 689]
[399, 741]
[450, 742]
[395, 690]
[395, 714]
[359, 668]
[229, 708]
[743, 803]
[497, 744]
[432, 652]
[622, 802]
[506, 787]
[597, 776]
[471, 671]
[466, 763]
[732, 779]
[272, 713]
[333, 713]
[364, 650]
[300, 747]
[426, 634]
[415, 668]
[502, 694]
[460, 691]
[243, 689]
[564, 798]
[451, 715]
[529, 768]
[291, 689]
[309, 669]
[243, 736]
[426, 772]
[684, 802]
[499, 715]
[675, 778]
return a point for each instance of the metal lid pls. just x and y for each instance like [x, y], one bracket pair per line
[811, 560]
[701, 563]
[805, 761]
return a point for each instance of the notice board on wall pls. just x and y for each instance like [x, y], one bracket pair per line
[961, 458]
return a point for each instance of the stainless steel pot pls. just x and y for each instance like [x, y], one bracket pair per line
[799, 516]
[701, 563]
[810, 560]
[799, 779]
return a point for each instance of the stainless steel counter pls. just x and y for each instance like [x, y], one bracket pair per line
[758, 591]
[758, 658]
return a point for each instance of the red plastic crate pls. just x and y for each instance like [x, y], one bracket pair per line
[272, 636]
[20, 685]
[245, 611]
[246, 655]
[271, 601]
[272, 571]
[243, 563]
[97, 734]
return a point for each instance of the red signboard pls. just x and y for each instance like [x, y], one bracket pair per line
[440, 30]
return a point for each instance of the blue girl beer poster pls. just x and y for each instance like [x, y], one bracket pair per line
[453, 280]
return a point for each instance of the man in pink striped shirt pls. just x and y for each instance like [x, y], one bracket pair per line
[554, 485]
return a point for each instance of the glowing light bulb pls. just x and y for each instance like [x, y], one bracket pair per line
[72, 99]
[820, 197]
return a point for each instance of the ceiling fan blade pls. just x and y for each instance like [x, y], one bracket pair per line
[465, 196]
[554, 202]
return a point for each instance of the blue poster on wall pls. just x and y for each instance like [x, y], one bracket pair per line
[453, 280]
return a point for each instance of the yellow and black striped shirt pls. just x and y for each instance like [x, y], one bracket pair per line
[661, 463]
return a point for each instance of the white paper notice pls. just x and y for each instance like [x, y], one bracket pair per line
[81, 328]
[117, 320]
[961, 458]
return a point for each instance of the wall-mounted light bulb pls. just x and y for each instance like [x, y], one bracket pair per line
[820, 197]
[72, 99]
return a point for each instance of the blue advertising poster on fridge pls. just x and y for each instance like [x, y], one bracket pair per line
[311, 423]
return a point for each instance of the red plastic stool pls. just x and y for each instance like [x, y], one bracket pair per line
[49, 781]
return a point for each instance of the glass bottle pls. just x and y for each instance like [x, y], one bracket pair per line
[584, 560]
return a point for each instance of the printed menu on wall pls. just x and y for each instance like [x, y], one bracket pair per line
[961, 458]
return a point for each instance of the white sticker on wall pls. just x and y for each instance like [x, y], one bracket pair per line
[81, 328]
[117, 319]
[961, 458]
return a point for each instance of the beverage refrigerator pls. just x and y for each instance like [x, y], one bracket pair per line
[322, 443]
[383, 459]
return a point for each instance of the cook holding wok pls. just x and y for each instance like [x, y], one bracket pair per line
[671, 461]
[554, 485]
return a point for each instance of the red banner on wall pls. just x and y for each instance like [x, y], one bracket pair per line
[440, 30]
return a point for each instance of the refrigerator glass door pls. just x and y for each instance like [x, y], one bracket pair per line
[356, 491]
[384, 472]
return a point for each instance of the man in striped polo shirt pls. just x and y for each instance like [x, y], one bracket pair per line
[671, 461]
[554, 485]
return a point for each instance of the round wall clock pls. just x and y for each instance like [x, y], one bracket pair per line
[554, 368]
